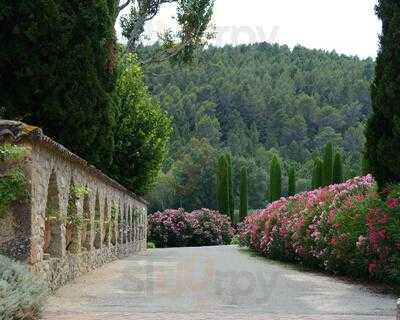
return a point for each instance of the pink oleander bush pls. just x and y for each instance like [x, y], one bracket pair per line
[344, 229]
[177, 228]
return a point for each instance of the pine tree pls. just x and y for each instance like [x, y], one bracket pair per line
[231, 194]
[292, 182]
[338, 169]
[223, 186]
[317, 174]
[327, 165]
[243, 194]
[383, 129]
[275, 175]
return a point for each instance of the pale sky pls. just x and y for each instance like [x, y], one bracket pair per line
[346, 26]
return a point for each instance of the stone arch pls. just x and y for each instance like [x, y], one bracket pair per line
[86, 224]
[53, 219]
[98, 227]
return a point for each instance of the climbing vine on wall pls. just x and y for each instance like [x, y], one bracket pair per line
[13, 183]
[77, 192]
[11, 153]
[80, 191]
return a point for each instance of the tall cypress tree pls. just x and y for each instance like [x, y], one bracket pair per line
[383, 129]
[314, 177]
[292, 182]
[230, 186]
[317, 174]
[57, 71]
[327, 165]
[320, 173]
[243, 194]
[275, 175]
[223, 186]
[337, 169]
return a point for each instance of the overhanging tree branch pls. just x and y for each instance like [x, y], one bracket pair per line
[123, 6]
[193, 17]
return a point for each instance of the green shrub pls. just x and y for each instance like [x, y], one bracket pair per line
[13, 184]
[236, 240]
[151, 245]
[21, 295]
[13, 187]
[141, 133]
[11, 152]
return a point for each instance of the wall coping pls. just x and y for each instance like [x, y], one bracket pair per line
[19, 131]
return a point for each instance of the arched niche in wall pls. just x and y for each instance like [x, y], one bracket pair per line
[53, 220]
[73, 220]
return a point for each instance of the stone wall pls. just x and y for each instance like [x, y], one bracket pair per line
[398, 309]
[75, 218]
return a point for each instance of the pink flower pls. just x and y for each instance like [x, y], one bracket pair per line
[372, 267]
[392, 203]
[315, 225]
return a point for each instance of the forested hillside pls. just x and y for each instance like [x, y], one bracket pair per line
[257, 101]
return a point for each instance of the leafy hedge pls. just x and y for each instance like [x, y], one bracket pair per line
[21, 296]
[345, 229]
[177, 228]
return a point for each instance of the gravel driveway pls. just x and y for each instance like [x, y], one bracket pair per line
[212, 283]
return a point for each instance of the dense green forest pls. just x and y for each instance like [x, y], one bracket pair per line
[257, 101]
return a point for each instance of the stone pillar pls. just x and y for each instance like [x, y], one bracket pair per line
[92, 204]
[116, 222]
[135, 228]
[145, 228]
[107, 213]
[39, 191]
[398, 309]
[121, 225]
[131, 225]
